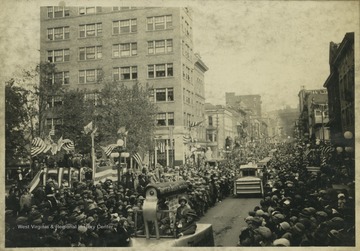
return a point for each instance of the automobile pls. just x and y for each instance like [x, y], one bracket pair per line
[248, 181]
[214, 162]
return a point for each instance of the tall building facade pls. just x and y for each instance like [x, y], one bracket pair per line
[314, 114]
[224, 129]
[152, 46]
[341, 88]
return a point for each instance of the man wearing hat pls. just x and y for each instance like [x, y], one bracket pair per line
[281, 242]
[297, 232]
[122, 233]
[180, 211]
[189, 225]
[262, 236]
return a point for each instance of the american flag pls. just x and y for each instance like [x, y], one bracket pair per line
[307, 151]
[194, 124]
[89, 128]
[186, 139]
[138, 159]
[108, 149]
[326, 149]
[68, 145]
[122, 130]
[38, 146]
[52, 132]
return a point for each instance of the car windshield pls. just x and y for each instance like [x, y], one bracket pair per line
[248, 172]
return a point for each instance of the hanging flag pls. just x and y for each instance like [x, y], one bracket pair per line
[108, 149]
[194, 124]
[171, 144]
[138, 159]
[60, 143]
[324, 161]
[186, 139]
[326, 149]
[161, 146]
[88, 128]
[307, 151]
[171, 137]
[68, 145]
[52, 132]
[37, 146]
[122, 130]
[49, 143]
[54, 148]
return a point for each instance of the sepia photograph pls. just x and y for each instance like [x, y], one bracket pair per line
[161, 124]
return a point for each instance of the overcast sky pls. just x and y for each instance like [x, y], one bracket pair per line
[270, 48]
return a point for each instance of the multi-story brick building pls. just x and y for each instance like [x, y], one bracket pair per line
[152, 46]
[341, 88]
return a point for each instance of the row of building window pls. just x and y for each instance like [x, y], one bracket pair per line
[56, 11]
[165, 119]
[118, 50]
[159, 94]
[162, 94]
[118, 27]
[187, 73]
[119, 73]
[56, 101]
[188, 118]
[162, 119]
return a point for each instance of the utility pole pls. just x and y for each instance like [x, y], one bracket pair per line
[93, 153]
[217, 131]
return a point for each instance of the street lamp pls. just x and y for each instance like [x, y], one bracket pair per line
[349, 146]
[339, 149]
[348, 135]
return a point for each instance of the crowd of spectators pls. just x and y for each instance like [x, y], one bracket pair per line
[101, 215]
[301, 208]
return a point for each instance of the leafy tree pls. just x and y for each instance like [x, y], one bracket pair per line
[114, 106]
[76, 112]
[26, 97]
[119, 106]
[110, 108]
[16, 117]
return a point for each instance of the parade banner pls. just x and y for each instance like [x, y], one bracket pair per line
[107, 172]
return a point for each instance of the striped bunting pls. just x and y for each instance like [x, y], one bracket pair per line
[138, 159]
[38, 146]
[108, 172]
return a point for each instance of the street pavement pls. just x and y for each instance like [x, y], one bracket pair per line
[227, 219]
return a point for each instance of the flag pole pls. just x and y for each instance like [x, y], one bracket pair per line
[155, 154]
[93, 154]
